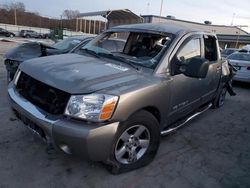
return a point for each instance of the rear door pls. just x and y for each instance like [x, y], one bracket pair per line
[211, 53]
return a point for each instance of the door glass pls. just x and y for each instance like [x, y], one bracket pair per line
[210, 48]
[190, 49]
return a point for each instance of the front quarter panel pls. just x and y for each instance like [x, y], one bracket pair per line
[156, 95]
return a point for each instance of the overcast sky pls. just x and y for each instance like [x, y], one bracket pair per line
[219, 11]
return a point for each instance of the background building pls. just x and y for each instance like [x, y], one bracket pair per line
[228, 36]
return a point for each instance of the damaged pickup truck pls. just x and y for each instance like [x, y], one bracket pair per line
[113, 106]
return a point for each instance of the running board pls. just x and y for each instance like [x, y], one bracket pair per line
[168, 131]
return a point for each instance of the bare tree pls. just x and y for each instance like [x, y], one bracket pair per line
[70, 14]
[19, 6]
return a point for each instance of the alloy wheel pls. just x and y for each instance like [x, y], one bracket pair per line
[132, 144]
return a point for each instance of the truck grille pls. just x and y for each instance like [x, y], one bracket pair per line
[47, 98]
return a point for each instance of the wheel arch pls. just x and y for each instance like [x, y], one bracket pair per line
[154, 111]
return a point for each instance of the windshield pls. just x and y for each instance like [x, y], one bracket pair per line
[65, 44]
[140, 48]
[240, 56]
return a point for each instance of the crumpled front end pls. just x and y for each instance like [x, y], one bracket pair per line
[89, 140]
[11, 67]
[14, 57]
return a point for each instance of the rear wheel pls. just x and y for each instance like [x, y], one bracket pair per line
[136, 143]
[220, 98]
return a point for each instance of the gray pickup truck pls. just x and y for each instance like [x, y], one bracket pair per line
[113, 106]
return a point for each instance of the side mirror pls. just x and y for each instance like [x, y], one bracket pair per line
[195, 67]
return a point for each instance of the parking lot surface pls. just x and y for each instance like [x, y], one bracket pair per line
[212, 151]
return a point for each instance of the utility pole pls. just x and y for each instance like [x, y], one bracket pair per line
[148, 4]
[61, 21]
[76, 24]
[232, 22]
[238, 32]
[15, 16]
[161, 7]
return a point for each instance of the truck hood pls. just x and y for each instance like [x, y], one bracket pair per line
[78, 74]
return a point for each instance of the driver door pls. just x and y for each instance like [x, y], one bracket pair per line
[186, 92]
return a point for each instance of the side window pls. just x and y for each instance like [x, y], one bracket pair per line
[210, 48]
[191, 49]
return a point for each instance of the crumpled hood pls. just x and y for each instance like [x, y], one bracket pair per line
[26, 51]
[77, 74]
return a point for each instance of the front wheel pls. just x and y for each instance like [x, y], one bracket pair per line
[136, 143]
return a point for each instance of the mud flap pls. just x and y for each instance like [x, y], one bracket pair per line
[230, 89]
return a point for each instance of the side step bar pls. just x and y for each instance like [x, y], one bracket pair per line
[168, 131]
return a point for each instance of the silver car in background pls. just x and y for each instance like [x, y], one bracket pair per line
[241, 61]
[228, 51]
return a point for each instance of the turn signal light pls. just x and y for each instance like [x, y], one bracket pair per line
[107, 110]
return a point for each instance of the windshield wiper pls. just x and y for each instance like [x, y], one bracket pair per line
[91, 52]
[124, 60]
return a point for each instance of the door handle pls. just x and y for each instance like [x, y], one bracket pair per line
[218, 68]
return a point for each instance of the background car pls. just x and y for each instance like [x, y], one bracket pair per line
[226, 52]
[241, 61]
[46, 35]
[29, 34]
[14, 57]
[4, 32]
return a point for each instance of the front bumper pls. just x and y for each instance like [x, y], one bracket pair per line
[89, 140]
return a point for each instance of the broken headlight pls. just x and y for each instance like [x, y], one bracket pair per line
[93, 107]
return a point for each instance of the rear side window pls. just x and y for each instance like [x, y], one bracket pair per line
[190, 50]
[210, 48]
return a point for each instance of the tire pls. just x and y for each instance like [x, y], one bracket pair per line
[11, 35]
[220, 98]
[135, 144]
[27, 36]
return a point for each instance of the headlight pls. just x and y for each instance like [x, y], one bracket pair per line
[93, 107]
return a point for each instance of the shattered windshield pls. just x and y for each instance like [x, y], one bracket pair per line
[139, 48]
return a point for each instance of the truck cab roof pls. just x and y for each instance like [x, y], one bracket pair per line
[175, 29]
